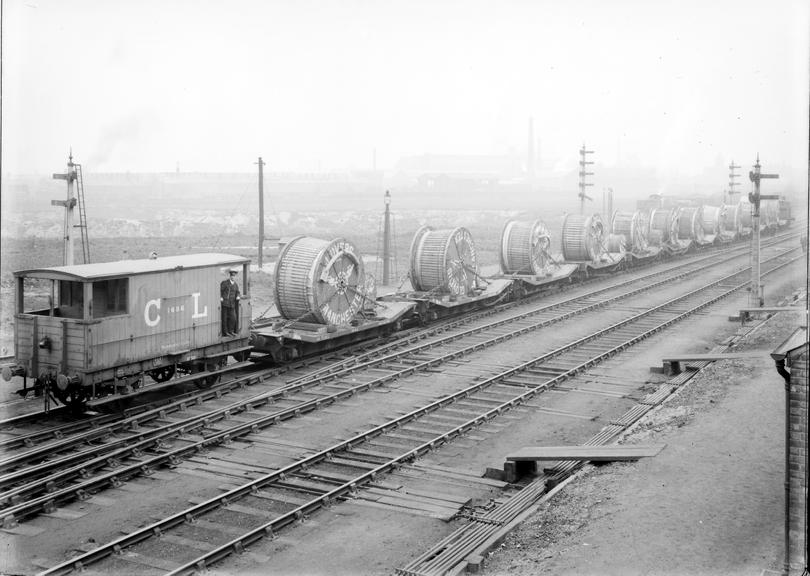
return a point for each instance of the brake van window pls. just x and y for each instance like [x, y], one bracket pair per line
[110, 297]
[71, 299]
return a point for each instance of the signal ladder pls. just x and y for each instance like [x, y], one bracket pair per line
[82, 225]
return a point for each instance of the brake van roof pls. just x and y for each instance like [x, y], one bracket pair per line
[126, 268]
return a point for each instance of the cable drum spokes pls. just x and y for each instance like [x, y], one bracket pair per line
[633, 226]
[690, 223]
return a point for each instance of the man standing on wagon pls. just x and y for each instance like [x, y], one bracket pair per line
[229, 297]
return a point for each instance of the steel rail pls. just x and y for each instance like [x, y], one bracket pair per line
[97, 426]
[53, 432]
[347, 488]
[111, 454]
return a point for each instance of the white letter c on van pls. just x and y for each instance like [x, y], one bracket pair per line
[149, 321]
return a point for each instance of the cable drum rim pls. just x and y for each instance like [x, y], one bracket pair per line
[690, 223]
[632, 226]
[731, 218]
[661, 226]
[711, 220]
[415, 256]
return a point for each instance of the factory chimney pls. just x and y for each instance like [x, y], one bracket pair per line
[530, 158]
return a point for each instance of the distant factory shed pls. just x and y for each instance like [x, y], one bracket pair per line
[432, 169]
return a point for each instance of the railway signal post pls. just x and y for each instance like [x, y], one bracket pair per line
[69, 204]
[757, 297]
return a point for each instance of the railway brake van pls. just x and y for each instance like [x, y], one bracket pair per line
[89, 330]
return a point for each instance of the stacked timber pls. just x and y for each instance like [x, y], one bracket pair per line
[443, 261]
[319, 281]
[633, 226]
[583, 238]
[525, 247]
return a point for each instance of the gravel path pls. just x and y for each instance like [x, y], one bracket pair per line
[711, 503]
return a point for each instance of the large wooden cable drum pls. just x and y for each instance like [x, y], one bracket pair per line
[769, 213]
[583, 238]
[730, 219]
[525, 247]
[632, 225]
[616, 243]
[711, 220]
[663, 226]
[746, 214]
[443, 261]
[690, 223]
[319, 281]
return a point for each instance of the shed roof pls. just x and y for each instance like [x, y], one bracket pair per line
[797, 340]
[125, 268]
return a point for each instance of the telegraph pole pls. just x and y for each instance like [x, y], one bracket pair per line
[732, 175]
[583, 173]
[261, 210]
[387, 240]
[757, 296]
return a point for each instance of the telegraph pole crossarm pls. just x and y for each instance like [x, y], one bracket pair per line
[732, 182]
[583, 173]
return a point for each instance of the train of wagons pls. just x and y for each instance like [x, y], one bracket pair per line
[91, 330]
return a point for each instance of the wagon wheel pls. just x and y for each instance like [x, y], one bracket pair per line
[73, 396]
[209, 366]
[162, 374]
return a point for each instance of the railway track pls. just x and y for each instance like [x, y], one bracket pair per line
[335, 361]
[339, 470]
[95, 457]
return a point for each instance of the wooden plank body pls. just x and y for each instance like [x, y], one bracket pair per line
[67, 338]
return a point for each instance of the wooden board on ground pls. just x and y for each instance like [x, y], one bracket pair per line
[608, 453]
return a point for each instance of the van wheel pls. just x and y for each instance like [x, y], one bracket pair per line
[162, 374]
[209, 366]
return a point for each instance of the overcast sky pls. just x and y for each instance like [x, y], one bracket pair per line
[145, 85]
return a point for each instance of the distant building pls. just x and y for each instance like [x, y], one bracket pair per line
[433, 169]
